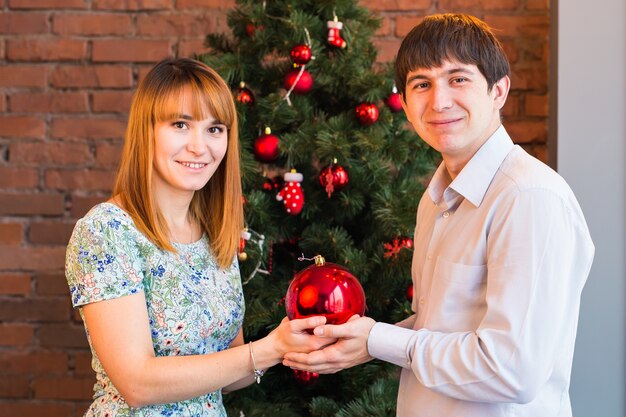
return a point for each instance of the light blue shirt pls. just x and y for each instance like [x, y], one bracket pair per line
[501, 256]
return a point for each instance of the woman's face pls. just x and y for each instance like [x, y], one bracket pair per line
[187, 152]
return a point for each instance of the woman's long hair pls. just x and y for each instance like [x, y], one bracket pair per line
[218, 205]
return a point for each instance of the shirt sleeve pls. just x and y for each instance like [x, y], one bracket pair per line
[102, 261]
[539, 254]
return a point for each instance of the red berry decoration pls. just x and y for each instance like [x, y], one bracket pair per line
[244, 95]
[266, 147]
[393, 248]
[394, 101]
[292, 195]
[251, 29]
[301, 54]
[333, 178]
[367, 113]
[325, 289]
[273, 184]
[409, 293]
[302, 80]
[305, 377]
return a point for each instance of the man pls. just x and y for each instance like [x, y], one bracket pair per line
[502, 250]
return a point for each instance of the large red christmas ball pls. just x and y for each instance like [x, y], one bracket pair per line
[394, 102]
[325, 289]
[367, 113]
[266, 147]
[300, 54]
[304, 84]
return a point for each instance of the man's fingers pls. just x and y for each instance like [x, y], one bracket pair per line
[308, 322]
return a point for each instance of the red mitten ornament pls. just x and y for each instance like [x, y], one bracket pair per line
[334, 33]
[292, 195]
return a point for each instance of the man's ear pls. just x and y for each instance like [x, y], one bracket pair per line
[500, 91]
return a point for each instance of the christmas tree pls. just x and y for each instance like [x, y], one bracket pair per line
[354, 175]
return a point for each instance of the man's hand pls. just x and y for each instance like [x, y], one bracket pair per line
[348, 351]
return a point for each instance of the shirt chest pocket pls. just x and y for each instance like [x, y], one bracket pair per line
[456, 300]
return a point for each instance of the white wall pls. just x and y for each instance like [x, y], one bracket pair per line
[591, 114]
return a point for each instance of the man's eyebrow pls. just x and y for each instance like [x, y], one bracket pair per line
[448, 72]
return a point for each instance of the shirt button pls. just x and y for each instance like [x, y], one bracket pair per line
[422, 300]
[446, 214]
[430, 257]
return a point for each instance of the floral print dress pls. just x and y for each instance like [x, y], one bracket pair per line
[194, 307]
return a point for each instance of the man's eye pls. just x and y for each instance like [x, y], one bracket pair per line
[459, 80]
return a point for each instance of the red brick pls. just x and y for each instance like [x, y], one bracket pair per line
[22, 126]
[12, 177]
[180, 24]
[92, 25]
[28, 204]
[62, 335]
[515, 26]
[12, 75]
[132, 4]
[108, 155]
[404, 24]
[537, 5]
[537, 105]
[41, 310]
[190, 47]
[385, 26]
[49, 102]
[72, 128]
[3, 102]
[40, 258]
[81, 205]
[50, 233]
[46, 49]
[47, 4]
[130, 50]
[387, 49]
[33, 362]
[511, 50]
[529, 78]
[15, 334]
[23, 23]
[15, 284]
[11, 234]
[480, 5]
[82, 363]
[28, 408]
[111, 101]
[58, 153]
[393, 5]
[14, 386]
[103, 76]
[221, 4]
[64, 388]
[527, 131]
[51, 284]
[80, 179]
[511, 107]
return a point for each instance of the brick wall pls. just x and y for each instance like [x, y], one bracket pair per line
[67, 70]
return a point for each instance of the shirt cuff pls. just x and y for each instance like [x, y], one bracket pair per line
[391, 344]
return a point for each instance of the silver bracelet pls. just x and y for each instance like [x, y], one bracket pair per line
[258, 373]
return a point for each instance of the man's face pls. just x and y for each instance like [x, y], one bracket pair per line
[452, 109]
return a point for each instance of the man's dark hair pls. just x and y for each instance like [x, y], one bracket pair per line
[451, 37]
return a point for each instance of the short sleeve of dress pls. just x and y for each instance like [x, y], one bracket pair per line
[103, 258]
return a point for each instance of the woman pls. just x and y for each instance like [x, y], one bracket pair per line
[153, 269]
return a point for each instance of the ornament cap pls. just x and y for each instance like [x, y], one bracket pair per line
[319, 260]
[242, 84]
[268, 131]
[293, 176]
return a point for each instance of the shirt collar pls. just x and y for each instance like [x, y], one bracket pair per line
[474, 179]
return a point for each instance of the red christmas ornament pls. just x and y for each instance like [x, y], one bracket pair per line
[325, 289]
[367, 113]
[266, 147]
[244, 95]
[302, 80]
[334, 33]
[305, 377]
[292, 195]
[394, 101]
[409, 293]
[333, 178]
[301, 54]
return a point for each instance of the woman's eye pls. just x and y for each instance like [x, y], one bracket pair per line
[216, 130]
[179, 125]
